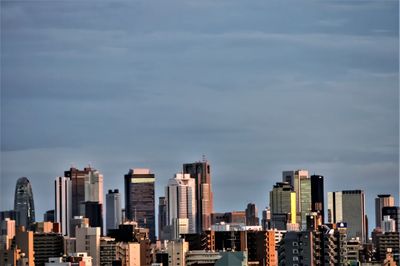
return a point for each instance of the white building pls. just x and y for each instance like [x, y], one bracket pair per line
[177, 252]
[63, 204]
[181, 204]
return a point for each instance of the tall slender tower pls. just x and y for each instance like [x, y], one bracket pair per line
[139, 199]
[317, 195]
[113, 209]
[381, 201]
[181, 204]
[162, 217]
[23, 203]
[200, 171]
[63, 203]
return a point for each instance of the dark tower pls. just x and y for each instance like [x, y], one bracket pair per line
[200, 171]
[139, 199]
[317, 195]
[23, 203]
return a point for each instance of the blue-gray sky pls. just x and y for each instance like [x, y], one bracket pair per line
[258, 87]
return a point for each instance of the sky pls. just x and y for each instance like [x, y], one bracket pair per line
[257, 87]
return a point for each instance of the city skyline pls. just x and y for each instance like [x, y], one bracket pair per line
[155, 85]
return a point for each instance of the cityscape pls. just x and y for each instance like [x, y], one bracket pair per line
[179, 133]
[296, 228]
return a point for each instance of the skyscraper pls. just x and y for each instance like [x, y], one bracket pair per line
[139, 199]
[181, 204]
[381, 201]
[162, 217]
[252, 215]
[394, 213]
[113, 209]
[87, 185]
[348, 206]
[23, 203]
[301, 183]
[317, 195]
[282, 201]
[200, 171]
[63, 203]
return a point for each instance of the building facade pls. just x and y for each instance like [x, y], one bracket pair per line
[23, 203]
[139, 199]
[201, 173]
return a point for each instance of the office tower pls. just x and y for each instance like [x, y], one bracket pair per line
[394, 213]
[87, 185]
[252, 215]
[48, 216]
[94, 212]
[162, 217]
[63, 203]
[282, 202]
[200, 171]
[24, 241]
[348, 206]
[88, 240]
[107, 251]
[23, 203]
[388, 224]
[113, 209]
[383, 200]
[301, 184]
[317, 195]
[297, 248]
[181, 204]
[266, 219]
[139, 199]
[47, 245]
[176, 251]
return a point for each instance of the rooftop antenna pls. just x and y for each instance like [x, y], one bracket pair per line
[204, 158]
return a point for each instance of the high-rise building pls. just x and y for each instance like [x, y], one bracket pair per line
[87, 185]
[348, 206]
[317, 195]
[383, 200]
[394, 213]
[266, 219]
[252, 215]
[63, 203]
[113, 209]
[301, 183]
[88, 240]
[200, 171]
[162, 217]
[181, 204]
[139, 199]
[48, 216]
[282, 200]
[23, 203]
[94, 212]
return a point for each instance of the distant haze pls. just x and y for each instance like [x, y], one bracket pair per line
[258, 87]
